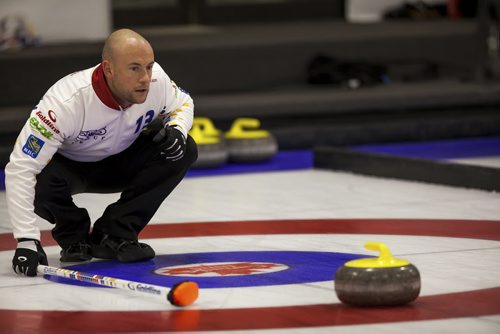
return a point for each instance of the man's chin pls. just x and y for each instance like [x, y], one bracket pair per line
[140, 100]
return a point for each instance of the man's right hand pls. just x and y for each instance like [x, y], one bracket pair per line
[29, 253]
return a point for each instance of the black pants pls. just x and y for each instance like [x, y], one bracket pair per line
[143, 180]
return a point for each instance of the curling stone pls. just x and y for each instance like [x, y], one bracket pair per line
[212, 148]
[382, 281]
[247, 143]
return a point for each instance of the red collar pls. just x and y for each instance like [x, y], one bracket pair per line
[102, 90]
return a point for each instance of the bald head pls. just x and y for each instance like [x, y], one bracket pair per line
[122, 40]
[127, 63]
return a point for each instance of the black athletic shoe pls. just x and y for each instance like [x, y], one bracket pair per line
[123, 250]
[78, 252]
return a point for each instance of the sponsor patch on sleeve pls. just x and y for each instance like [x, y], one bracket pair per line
[178, 89]
[33, 146]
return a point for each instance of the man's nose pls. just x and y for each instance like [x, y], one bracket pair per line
[145, 77]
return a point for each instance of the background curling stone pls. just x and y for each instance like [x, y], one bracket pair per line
[247, 143]
[212, 149]
[382, 281]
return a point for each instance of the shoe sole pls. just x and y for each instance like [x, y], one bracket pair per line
[75, 259]
[101, 252]
[147, 254]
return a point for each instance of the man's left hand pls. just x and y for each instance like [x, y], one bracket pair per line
[172, 143]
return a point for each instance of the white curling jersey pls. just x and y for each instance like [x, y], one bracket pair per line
[79, 118]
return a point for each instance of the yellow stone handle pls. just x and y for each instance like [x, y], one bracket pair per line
[385, 259]
[204, 131]
[384, 252]
[246, 128]
[206, 125]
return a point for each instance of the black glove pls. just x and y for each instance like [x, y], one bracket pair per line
[172, 143]
[29, 254]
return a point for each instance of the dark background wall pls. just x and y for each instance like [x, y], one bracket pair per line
[254, 60]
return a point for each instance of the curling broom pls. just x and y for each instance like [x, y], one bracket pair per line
[183, 293]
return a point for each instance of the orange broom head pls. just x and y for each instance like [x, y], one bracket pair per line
[183, 293]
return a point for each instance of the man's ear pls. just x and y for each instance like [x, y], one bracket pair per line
[107, 68]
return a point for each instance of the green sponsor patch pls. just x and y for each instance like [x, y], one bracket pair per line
[35, 125]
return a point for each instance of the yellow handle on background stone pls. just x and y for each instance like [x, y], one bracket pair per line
[246, 128]
[204, 132]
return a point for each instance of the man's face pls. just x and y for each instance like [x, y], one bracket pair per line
[128, 73]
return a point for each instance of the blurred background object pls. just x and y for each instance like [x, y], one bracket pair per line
[364, 11]
[488, 13]
[59, 21]
[16, 33]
